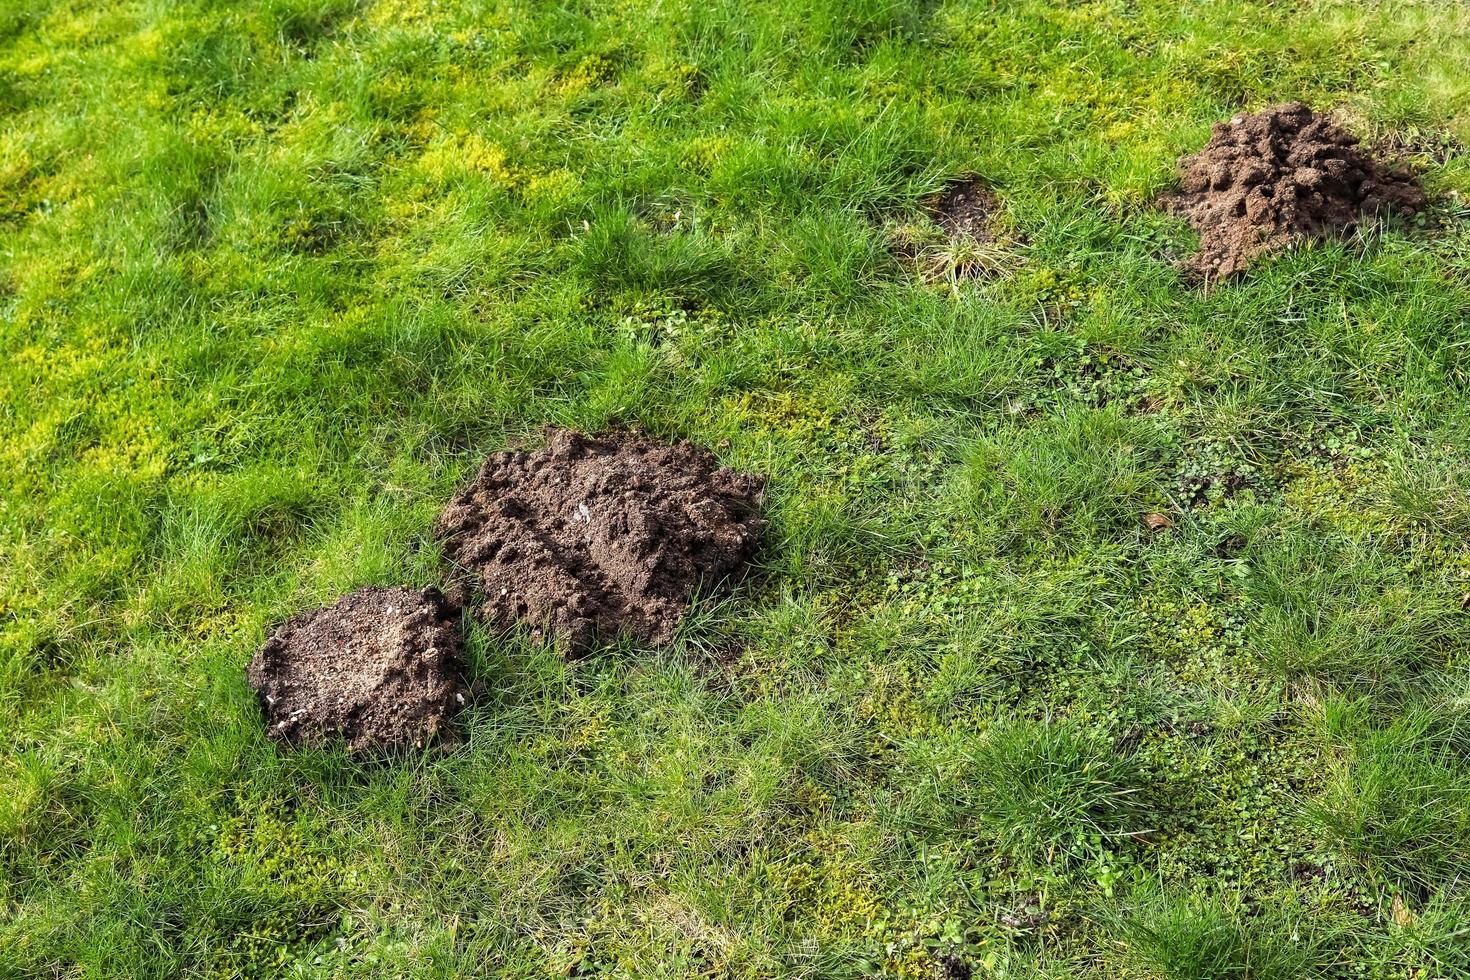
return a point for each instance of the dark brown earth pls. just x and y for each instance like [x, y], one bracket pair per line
[963, 209]
[591, 537]
[950, 967]
[1281, 176]
[378, 669]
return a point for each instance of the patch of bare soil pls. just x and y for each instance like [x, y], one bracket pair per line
[592, 537]
[963, 209]
[962, 236]
[1278, 177]
[377, 669]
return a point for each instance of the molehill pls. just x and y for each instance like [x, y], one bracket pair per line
[592, 537]
[1281, 176]
[378, 668]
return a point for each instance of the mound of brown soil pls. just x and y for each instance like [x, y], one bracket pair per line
[591, 537]
[376, 669]
[1281, 176]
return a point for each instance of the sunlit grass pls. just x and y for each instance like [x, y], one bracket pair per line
[275, 277]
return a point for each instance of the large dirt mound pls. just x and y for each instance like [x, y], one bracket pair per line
[591, 537]
[376, 669]
[1283, 175]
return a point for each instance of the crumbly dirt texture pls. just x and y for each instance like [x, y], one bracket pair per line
[963, 210]
[1281, 176]
[377, 669]
[591, 537]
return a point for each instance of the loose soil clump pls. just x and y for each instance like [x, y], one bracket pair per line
[378, 669]
[592, 537]
[1278, 177]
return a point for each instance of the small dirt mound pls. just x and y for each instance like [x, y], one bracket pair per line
[377, 669]
[1281, 176]
[595, 536]
[963, 210]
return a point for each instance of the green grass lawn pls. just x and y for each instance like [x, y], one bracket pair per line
[278, 275]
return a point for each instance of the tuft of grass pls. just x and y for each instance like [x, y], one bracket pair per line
[1074, 477]
[1054, 790]
[1184, 936]
[1397, 800]
[1344, 611]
